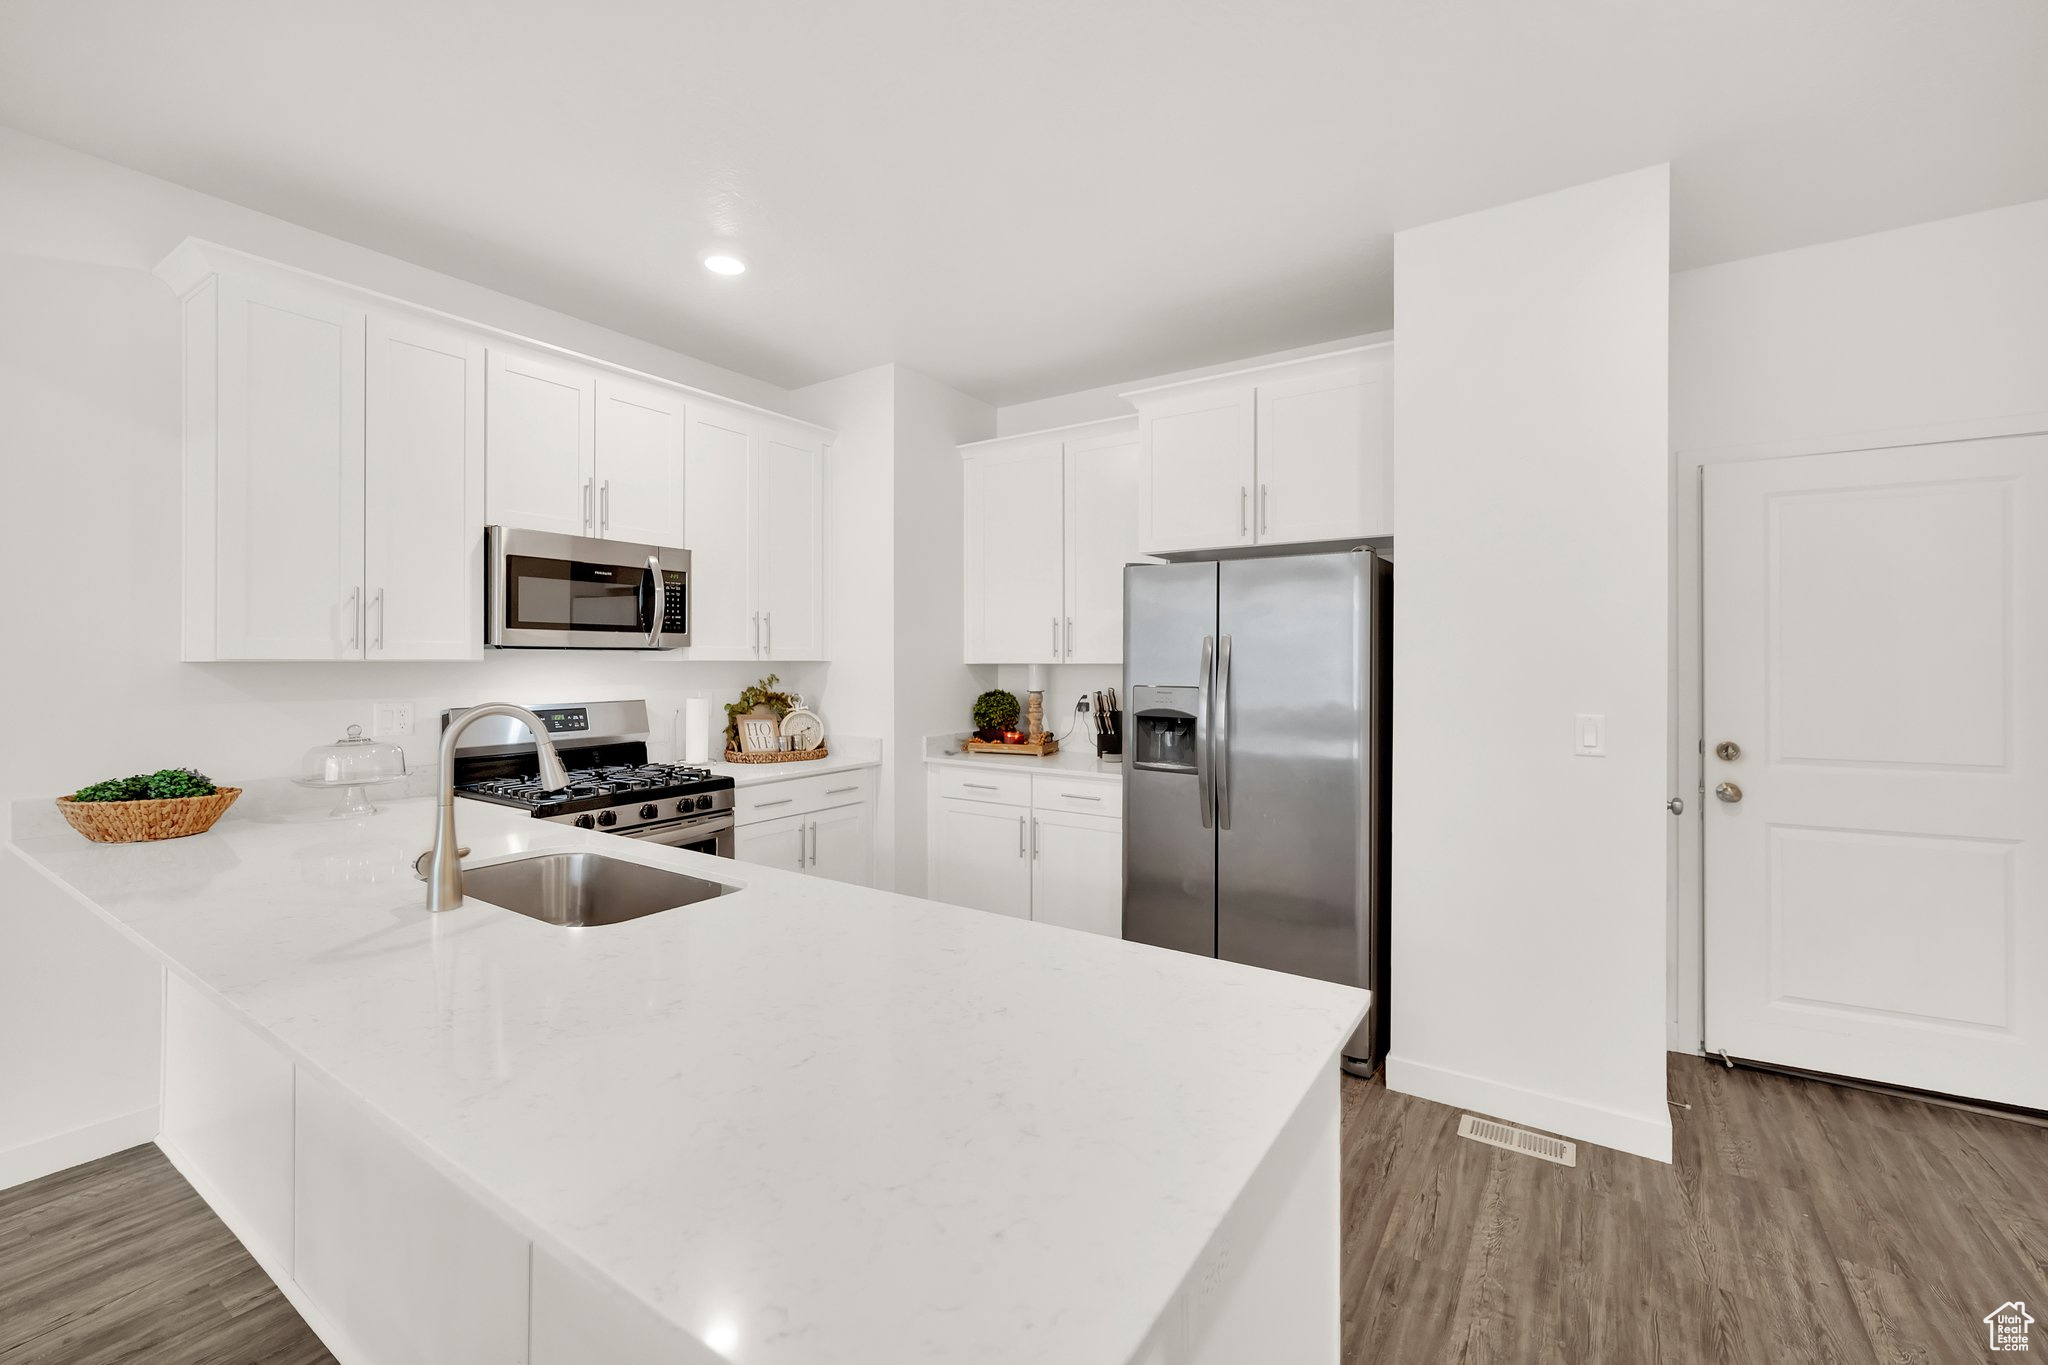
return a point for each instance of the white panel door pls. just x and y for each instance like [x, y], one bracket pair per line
[783, 843]
[1325, 458]
[1876, 645]
[1015, 598]
[1196, 470]
[789, 518]
[1077, 872]
[227, 1117]
[423, 479]
[539, 444]
[640, 430]
[289, 554]
[1102, 537]
[978, 856]
[718, 531]
[410, 1268]
[843, 844]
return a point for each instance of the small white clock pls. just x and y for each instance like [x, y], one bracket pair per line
[803, 729]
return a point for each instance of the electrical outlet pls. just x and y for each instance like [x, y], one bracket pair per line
[1081, 706]
[390, 719]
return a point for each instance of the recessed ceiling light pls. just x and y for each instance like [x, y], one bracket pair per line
[722, 264]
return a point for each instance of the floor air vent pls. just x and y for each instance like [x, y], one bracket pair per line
[1519, 1140]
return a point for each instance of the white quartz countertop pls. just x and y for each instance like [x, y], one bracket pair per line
[840, 756]
[853, 1126]
[1076, 758]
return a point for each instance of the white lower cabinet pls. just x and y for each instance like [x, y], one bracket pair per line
[1035, 846]
[823, 825]
[981, 856]
[580, 1320]
[411, 1269]
[1077, 871]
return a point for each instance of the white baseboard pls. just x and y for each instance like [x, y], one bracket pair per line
[1533, 1108]
[47, 1156]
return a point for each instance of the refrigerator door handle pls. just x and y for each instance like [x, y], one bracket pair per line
[1205, 766]
[1221, 728]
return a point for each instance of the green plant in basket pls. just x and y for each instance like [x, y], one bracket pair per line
[762, 693]
[166, 784]
[994, 712]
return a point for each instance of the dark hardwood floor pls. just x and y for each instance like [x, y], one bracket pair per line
[1801, 1222]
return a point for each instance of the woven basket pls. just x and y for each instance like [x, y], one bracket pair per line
[792, 756]
[134, 822]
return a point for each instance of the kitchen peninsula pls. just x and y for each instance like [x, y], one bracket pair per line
[802, 1121]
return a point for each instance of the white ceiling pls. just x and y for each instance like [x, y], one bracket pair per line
[1025, 198]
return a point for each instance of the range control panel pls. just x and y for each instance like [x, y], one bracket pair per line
[565, 720]
[675, 602]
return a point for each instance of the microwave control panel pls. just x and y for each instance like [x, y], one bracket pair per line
[675, 602]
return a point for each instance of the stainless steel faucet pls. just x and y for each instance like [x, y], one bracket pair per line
[444, 862]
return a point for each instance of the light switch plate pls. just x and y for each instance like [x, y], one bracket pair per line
[1589, 735]
[390, 719]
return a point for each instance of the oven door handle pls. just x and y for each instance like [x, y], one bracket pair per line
[654, 600]
[683, 831]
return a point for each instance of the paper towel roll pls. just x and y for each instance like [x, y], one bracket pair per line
[697, 730]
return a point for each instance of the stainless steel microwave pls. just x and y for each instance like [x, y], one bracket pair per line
[549, 591]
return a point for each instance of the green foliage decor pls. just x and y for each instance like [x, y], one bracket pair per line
[996, 709]
[166, 784]
[762, 693]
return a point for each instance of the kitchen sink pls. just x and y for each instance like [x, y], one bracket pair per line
[584, 888]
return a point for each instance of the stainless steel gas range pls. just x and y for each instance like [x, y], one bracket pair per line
[612, 785]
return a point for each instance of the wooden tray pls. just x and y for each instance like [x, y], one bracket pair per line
[1033, 748]
[779, 756]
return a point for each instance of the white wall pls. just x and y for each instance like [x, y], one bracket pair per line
[1530, 446]
[89, 432]
[1928, 332]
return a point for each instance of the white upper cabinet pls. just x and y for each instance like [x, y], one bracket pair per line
[1015, 561]
[1290, 454]
[423, 478]
[541, 444]
[1197, 469]
[639, 467]
[274, 456]
[1102, 537]
[754, 525]
[1050, 520]
[789, 529]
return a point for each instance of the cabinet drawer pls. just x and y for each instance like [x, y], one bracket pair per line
[802, 795]
[977, 784]
[1077, 794]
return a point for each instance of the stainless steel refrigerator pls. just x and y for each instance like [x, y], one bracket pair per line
[1256, 766]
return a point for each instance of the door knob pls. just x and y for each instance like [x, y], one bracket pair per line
[1728, 792]
[1727, 751]
[1676, 805]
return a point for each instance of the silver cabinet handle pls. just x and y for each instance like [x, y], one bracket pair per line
[604, 505]
[1205, 779]
[1244, 526]
[1223, 732]
[1055, 639]
[767, 632]
[1034, 838]
[1070, 638]
[1265, 507]
[1020, 836]
[783, 801]
[355, 633]
[840, 791]
[657, 595]
[1076, 796]
[378, 643]
[799, 847]
[979, 786]
[1676, 805]
[757, 632]
[589, 497]
[814, 843]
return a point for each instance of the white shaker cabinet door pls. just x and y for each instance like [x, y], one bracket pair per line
[1102, 537]
[1196, 469]
[1077, 872]
[843, 844]
[718, 531]
[413, 1270]
[289, 475]
[979, 856]
[640, 487]
[1324, 471]
[1015, 598]
[540, 444]
[783, 843]
[423, 475]
[789, 522]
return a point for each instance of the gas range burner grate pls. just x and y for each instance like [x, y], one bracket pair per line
[585, 784]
